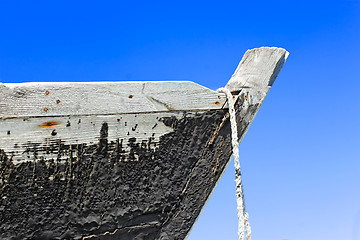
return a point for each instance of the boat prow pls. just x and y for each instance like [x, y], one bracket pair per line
[120, 160]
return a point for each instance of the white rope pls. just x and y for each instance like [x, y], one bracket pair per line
[243, 216]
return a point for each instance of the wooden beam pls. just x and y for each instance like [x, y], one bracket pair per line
[104, 98]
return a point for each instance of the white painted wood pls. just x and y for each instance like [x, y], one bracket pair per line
[258, 69]
[69, 99]
[17, 135]
[131, 109]
[254, 76]
[27, 108]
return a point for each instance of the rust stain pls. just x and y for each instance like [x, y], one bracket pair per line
[217, 103]
[218, 129]
[49, 124]
[131, 96]
[46, 109]
[47, 93]
[245, 97]
[219, 97]
[58, 101]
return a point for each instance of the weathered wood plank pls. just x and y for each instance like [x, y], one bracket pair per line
[258, 70]
[69, 99]
[31, 139]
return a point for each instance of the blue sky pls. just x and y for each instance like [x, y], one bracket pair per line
[300, 159]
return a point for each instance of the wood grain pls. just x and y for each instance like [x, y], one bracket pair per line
[104, 98]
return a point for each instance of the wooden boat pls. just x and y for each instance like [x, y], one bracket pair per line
[120, 160]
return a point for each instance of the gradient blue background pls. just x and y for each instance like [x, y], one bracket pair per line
[300, 158]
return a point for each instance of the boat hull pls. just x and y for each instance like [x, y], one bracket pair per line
[132, 160]
[103, 194]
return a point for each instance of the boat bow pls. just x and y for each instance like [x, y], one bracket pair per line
[119, 160]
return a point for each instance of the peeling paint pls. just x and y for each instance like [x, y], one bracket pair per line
[99, 193]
